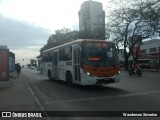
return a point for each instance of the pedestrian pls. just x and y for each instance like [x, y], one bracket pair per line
[18, 69]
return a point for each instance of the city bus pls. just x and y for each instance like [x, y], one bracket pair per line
[83, 62]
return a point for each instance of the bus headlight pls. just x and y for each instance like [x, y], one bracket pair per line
[118, 73]
[89, 74]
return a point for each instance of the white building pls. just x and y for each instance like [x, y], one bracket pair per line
[92, 20]
[151, 50]
[121, 54]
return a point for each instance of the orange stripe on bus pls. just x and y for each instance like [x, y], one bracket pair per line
[101, 71]
[94, 58]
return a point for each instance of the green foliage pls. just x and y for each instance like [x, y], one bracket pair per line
[61, 36]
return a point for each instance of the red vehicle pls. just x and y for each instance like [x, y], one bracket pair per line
[135, 70]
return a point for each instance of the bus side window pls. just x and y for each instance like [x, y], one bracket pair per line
[50, 56]
[55, 58]
[67, 53]
[61, 54]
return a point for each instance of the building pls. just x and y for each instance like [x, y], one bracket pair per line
[121, 55]
[9, 60]
[92, 20]
[3, 47]
[4, 60]
[151, 50]
[149, 55]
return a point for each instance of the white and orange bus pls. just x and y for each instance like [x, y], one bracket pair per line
[84, 62]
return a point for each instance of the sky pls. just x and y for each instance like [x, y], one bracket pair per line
[25, 25]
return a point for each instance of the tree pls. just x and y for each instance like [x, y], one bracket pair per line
[129, 23]
[61, 36]
[152, 14]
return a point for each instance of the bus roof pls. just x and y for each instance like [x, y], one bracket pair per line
[76, 42]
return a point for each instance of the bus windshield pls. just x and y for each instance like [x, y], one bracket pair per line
[100, 54]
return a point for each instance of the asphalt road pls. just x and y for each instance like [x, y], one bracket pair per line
[132, 93]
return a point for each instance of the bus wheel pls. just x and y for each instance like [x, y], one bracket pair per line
[69, 79]
[49, 75]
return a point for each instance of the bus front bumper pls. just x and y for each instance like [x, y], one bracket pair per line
[101, 80]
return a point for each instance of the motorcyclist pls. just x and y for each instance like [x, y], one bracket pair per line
[135, 69]
[133, 66]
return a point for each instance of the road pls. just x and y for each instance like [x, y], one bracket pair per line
[132, 93]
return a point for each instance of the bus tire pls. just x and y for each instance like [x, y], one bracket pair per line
[69, 79]
[49, 75]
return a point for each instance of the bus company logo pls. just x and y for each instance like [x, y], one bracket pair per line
[6, 114]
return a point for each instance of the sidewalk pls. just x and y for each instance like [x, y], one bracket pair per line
[15, 95]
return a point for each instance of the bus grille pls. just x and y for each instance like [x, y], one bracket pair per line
[100, 81]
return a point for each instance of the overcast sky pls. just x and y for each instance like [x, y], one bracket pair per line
[23, 39]
[25, 25]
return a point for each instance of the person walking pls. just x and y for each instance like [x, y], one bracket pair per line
[18, 69]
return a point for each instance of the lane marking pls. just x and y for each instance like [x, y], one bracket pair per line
[100, 98]
[36, 99]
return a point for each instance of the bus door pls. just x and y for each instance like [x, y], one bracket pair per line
[55, 65]
[76, 63]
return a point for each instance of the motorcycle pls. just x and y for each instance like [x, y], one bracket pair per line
[137, 71]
